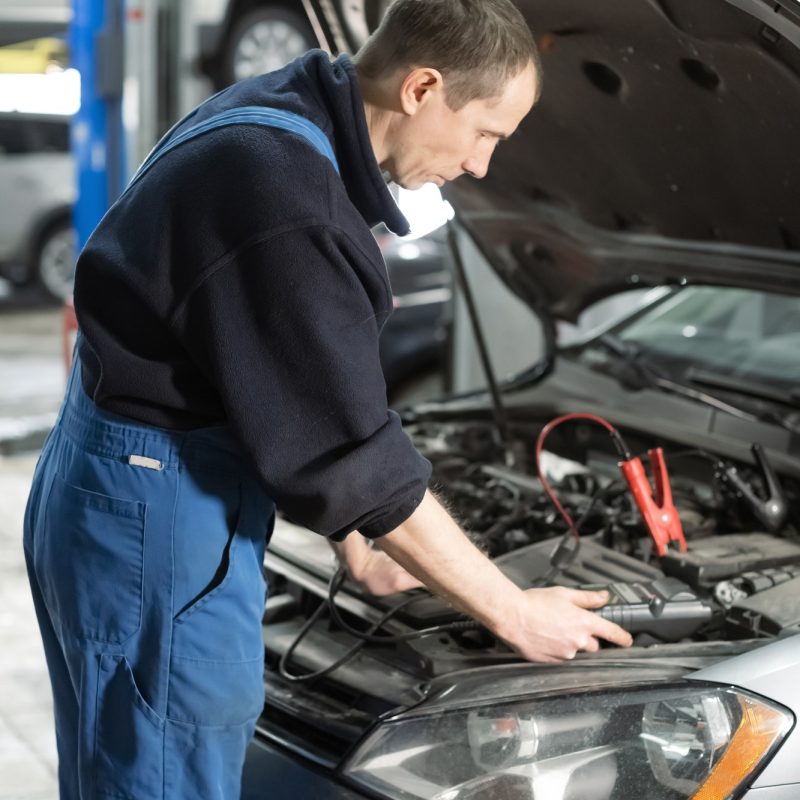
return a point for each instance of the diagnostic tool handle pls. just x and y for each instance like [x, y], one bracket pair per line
[666, 608]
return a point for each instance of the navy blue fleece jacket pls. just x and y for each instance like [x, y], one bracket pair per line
[238, 283]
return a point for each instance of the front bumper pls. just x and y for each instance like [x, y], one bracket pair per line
[272, 773]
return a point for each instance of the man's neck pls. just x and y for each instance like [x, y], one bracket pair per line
[379, 115]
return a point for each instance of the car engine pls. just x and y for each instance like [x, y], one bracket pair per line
[738, 578]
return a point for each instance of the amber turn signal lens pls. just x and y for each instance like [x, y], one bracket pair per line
[760, 729]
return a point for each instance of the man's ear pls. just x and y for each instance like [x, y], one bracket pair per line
[419, 87]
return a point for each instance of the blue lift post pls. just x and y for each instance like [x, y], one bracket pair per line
[97, 47]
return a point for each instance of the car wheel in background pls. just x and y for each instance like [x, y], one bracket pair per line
[54, 264]
[264, 40]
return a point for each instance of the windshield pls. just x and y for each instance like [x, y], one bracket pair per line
[738, 333]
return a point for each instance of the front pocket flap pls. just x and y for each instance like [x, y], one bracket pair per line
[133, 509]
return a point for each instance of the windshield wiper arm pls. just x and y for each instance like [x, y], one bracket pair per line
[790, 397]
[632, 356]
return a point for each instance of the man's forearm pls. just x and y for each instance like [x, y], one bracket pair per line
[540, 624]
[431, 546]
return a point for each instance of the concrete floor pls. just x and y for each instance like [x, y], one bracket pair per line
[31, 370]
[27, 744]
[31, 383]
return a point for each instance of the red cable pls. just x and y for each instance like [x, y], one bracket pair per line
[545, 432]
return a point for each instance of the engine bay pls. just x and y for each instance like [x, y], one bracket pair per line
[738, 578]
[733, 579]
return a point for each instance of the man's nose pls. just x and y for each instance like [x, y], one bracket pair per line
[477, 165]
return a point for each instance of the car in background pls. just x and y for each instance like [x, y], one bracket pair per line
[661, 157]
[251, 39]
[35, 56]
[243, 38]
[37, 176]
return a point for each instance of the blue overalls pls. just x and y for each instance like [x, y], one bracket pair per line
[144, 550]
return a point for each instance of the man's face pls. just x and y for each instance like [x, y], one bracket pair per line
[435, 144]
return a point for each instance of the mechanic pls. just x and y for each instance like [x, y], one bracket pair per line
[230, 304]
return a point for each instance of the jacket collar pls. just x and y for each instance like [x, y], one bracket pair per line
[362, 176]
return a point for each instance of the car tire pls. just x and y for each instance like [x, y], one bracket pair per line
[54, 262]
[264, 40]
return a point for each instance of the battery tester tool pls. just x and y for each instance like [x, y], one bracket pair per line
[666, 608]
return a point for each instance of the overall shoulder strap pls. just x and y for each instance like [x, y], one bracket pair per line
[245, 115]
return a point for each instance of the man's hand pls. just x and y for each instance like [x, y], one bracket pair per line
[373, 570]
[540, 624]
[555, 623]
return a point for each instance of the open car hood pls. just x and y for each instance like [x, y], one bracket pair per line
[663, 149]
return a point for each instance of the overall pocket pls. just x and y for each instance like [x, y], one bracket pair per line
[129, 736]
[219, 581]
[216, 663]
[89, 562]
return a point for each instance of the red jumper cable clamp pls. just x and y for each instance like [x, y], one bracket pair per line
[659, 515]
[658, 512]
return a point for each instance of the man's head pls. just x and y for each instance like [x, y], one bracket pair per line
[444, 81]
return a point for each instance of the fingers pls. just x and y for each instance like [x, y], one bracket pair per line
[602, 628]
[566, 652]
[612, 632]
[586, 644]
[591, 645]
[559, 622]
[405, 581]
[381, 576]
[586, 599]
[386, 584]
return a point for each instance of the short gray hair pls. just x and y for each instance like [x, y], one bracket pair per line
[477, 45]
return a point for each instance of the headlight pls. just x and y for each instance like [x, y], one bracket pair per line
[694, 740]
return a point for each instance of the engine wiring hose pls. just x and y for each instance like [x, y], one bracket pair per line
[616, 438]
[335, 584]
[283, 664]
[564, 555]
[309, 624]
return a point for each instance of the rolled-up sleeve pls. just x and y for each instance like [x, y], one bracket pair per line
[286, 329]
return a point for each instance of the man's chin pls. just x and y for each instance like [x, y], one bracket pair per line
[409, 186]
[413, 185]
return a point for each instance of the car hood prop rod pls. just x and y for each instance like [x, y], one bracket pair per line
[499, 410]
